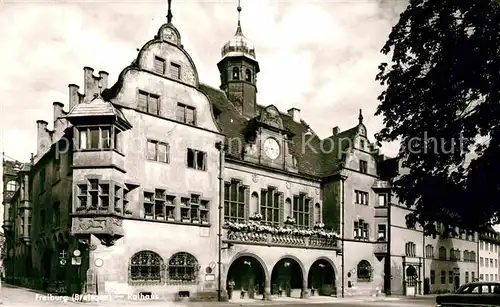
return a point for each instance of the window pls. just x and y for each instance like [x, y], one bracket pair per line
[496, 277]
[454, 254]
[481, 277]
[481, 261]
[361, 230]
[159, 66]
[429, 251]
[12, 186]
[30, 224]
[433, 277]
[186, 114]
[317, 213]
[57, 165]
[362, 144]
[481, 244]
[236, 73]
[57, 214]
[148, 103]
[450, 277]
[42, 179]
[442, 253]
[364, 271]
[472, 276]
[410, 249]
[198, 209]
[466, 277]
[300, 210]
[361, 197]
[183, 267]
[382, 200]
[159, 205]
[145, 266]
[234, 201]
[491, 262]
[94, 195]
[363, 166]
[496, 263]
[270, 206]
[196, 159]
[443, 277]
[158, 151]
[248, 75]
[95, 138]
[486, 262]
[175, 71]
[382, 229]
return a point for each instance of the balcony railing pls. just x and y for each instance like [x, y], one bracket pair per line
[286, 240]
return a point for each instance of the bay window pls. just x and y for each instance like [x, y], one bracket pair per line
[104, 138]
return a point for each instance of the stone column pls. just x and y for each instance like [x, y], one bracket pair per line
[305, 292]
[267, 290]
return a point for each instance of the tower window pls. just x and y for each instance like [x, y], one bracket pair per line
[236, 73]
[248, 75]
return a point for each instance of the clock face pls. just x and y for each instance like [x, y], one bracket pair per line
[272, 148]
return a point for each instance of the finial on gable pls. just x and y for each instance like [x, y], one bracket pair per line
[360, 118]
[169, 14]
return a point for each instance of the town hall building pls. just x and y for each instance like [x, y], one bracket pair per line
[162, 185]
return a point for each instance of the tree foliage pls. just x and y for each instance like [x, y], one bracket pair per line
[442, 101]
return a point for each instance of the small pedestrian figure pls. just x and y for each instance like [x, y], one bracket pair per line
[230, 288]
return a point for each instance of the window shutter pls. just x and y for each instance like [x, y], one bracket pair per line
[142, 102]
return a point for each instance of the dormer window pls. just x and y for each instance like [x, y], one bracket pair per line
[236, 73]
[248, 75]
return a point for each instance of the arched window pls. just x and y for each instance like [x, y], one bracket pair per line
[429, 251]
[317, 213]
[236, 73]
[183, 267]
[457, 255]
[364, 271]
[248, 75]
[410, 249]
[472, 256]
[146, 266]
[442, 253]
[467, 255]
[11, 186]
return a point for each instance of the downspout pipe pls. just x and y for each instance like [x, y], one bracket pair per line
[220, 146]
[342, 179]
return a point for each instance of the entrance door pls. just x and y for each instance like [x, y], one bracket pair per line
[411, 281]
[457, 282]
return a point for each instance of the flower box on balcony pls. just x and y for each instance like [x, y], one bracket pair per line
[171, 219]
[205, 222]
[186, 220]
[195, 221]
[160, 217]
[149, 217]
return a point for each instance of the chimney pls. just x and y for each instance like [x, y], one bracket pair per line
[43, 137]
[335, 130]
[74, 98]
[295, 114]
[58, 110]
[89, 85]
[103, 80]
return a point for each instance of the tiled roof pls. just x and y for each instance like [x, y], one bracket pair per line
[97, 107]
[310, 159]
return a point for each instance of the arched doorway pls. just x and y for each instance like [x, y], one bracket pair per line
[287, 278]
[411, 280]
[249, 278]
[321, 279]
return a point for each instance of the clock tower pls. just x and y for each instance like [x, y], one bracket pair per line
[238, 72]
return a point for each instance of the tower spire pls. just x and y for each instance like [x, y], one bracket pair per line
[238, 29]
[169, 14]
[360, 118]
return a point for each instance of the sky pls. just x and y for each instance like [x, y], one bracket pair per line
[320, 56]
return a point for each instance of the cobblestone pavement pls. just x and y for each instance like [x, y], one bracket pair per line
[15, 296]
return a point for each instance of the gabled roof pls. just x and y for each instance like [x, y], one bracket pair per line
[305, 145]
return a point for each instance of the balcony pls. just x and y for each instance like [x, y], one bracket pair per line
[255, 234]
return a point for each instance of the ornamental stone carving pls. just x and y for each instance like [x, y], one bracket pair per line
[255, 178]
[86, 224]
[288, 184]
[188, 75]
